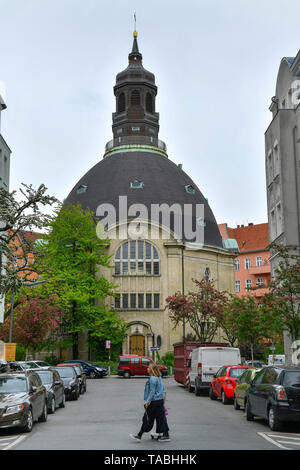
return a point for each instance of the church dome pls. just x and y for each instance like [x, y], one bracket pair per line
[136, 164]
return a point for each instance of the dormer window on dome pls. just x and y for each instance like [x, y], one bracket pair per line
[189, 189]
[136, 184]
[81, 189]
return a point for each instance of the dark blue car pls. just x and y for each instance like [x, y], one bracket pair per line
[90, 370]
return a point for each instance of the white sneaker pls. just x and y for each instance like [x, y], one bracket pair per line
[136, 437]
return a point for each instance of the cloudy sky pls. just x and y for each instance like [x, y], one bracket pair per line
[215, 63]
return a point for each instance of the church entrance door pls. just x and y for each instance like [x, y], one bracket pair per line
[137, 345]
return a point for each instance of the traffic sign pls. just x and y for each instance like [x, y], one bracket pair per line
[154, 348]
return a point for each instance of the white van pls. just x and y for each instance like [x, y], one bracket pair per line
[206, 361]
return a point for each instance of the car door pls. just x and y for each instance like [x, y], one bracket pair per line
[219, 380]
[145, 365]
[266, 388]
[254, 394]
[35, 397]
[135, 366]
[241, 387]
[58, 388]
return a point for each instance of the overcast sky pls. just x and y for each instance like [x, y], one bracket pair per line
[215, 64]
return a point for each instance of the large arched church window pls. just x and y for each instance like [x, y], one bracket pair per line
[137, 257]
[149, 103]
[121, 103]
[135, 98]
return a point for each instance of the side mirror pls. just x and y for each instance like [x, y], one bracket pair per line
[57, 382]
[33, 389]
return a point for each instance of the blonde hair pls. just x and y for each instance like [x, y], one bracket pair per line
[154, 370]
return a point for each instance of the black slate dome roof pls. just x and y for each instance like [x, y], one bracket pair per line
[163, 182]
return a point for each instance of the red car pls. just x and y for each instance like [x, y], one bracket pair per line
[225, 381]
[137, 365]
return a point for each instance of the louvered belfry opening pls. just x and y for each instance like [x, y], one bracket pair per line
[135, 98]
[121, 103]
[149, 103]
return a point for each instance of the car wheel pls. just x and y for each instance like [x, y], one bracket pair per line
[212, 396]
[191, 389]
[92, 375]
[53, 406]
[225, 400]
[197, 392]
[29, 422]
[63, 401]
[249, 415]
[127, 375]
[76, 396]
[274, 423]
[44, 415]
[236, 406]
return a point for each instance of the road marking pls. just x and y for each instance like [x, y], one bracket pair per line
[290, 442]
[287, 436]
[15, 442]
[268, 438]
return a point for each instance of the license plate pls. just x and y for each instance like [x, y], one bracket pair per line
[206, 378]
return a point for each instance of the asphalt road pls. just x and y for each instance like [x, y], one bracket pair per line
[112, 408]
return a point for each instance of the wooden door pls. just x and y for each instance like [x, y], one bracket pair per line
[137, 345]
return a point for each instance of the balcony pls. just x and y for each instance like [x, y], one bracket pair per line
[265, 268]
[135, 140]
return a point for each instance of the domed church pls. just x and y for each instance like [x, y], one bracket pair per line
[162, 233]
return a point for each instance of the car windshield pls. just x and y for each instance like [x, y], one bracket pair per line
[292, 378]
[236, 372]
[66, 372]
[29, 365]
[13, 384]
[46, 377]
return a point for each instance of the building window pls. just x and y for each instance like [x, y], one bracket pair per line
[137, 301]
[82, 189]
[136, 184]
[137, 257]
[237, 286]
[260, 282]
[248, 284]
[237, 264]
[121, 103]
[149, 103]
[189, 189]
[135, 98]
[247, 263]
[258, 261]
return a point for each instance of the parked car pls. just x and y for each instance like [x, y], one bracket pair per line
[205, 363]
[41, 364]
[4, 366]
[137, 365]
[80, 374]
[90, 370]
[70, 380]
[23, 400]
[255, 364]
[225, 381]
[274, 394]
[22, 365]
[240, 391]
[55, 388]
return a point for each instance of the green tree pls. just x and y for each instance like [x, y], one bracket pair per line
[15, 216]
[284, 296]
[70, 260]
[201, 309]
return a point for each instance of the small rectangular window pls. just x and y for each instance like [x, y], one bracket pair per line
[237, 286]
[148, 300]
[133, 300]
[118, 301]
[125, 300]
[141, 300]
[247, 263]
[156, 300]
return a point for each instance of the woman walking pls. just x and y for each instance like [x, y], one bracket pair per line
[154, 406]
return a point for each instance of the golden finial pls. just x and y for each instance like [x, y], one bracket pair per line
[135, 32]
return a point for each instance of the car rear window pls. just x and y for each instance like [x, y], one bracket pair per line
[292, 378]
[45, 377]
[236, 372]
[66, 372]
[124, 360]
[13, 384]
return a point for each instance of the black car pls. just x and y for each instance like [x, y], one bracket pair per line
[274, 394]
[23, 400]
[55, 388]
[80, 374]
[70, 380]
[90, 370]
